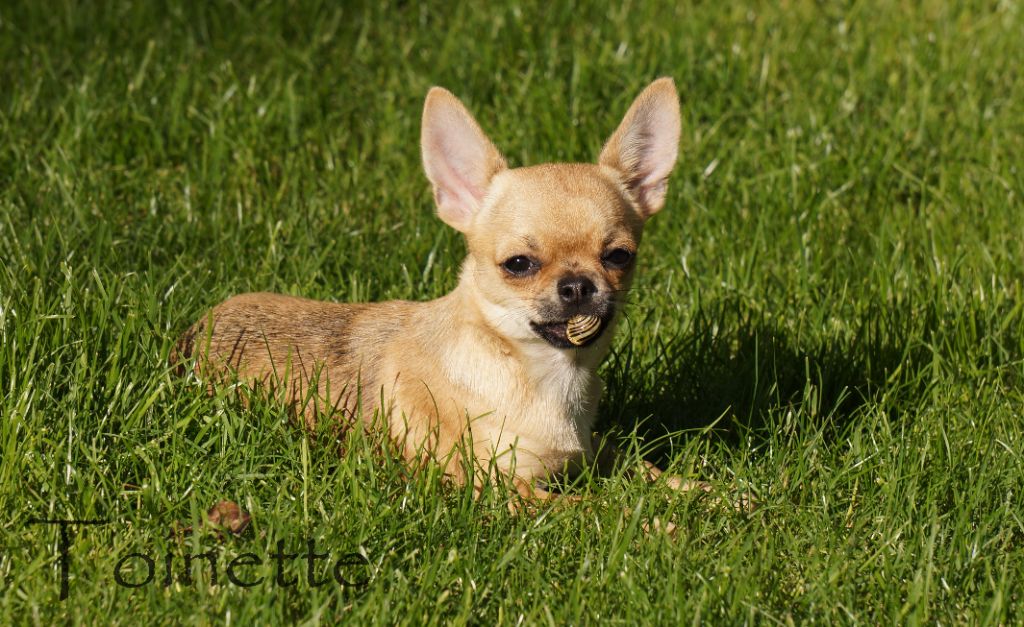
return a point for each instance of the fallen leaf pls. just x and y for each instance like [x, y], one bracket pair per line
[228, 515]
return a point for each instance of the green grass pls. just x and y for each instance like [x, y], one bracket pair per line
[828, 311]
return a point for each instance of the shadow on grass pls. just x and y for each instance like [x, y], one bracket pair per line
[739, 374]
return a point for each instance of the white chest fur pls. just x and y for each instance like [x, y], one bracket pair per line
[535, 406]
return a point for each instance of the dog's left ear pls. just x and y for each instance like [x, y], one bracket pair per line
[645, 146]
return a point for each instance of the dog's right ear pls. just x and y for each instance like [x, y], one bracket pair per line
[458, 158]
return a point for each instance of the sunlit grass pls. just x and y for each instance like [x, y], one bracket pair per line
[828, 311]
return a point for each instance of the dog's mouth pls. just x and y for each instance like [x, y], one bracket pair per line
[557, 333]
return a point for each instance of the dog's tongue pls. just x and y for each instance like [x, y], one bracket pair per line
[558, 330]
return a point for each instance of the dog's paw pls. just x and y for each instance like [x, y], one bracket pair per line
[739, 500]
[743, 501]
[656, 526]
[686, 485]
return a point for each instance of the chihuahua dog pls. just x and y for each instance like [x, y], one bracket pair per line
[503, 369]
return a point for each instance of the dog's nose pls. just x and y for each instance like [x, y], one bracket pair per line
[576, 290]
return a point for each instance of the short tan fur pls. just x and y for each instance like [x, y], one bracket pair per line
[489, 363]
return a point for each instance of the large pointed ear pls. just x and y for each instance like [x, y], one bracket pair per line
[459, 159]
[645, 146]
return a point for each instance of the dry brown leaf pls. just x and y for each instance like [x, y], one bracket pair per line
[228, 515]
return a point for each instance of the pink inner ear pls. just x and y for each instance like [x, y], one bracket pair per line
[462, 163]
[657, 140]
[657, 189]
[458, 158]
[449, 166]
[456, 197]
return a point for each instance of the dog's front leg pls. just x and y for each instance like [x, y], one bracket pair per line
[609, 458]
[530, 494]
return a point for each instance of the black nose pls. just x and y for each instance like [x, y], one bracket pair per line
[576, 290]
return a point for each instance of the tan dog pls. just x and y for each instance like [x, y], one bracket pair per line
[494, 365]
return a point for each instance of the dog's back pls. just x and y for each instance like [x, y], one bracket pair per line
[295, 346]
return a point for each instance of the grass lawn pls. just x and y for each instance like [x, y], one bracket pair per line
[828, 311]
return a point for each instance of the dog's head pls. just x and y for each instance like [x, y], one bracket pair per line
[552, 242]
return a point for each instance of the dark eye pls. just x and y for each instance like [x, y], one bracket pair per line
[520, 265]
[617, 258]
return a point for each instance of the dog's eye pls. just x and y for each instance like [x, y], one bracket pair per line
[520, 265]
[617, 258]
